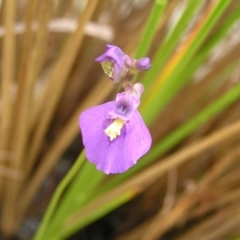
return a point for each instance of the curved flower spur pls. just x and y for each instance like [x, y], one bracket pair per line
[114, 134]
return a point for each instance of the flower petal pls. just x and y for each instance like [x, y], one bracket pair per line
[118, 155]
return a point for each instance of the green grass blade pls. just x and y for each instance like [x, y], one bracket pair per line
[180, 134]
[204, 52]
[77, 194]
[218, 36]
[170, 43]
[71, 227]
[150, 28]
[160, 95]
[56, 198]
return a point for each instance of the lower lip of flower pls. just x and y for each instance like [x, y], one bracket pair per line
[114, 129]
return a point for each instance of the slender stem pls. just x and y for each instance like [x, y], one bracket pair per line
[57, 195]
[60, 71]
[166, 86]
[7, 111]
[150, 28]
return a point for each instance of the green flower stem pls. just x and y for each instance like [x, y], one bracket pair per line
[40, 235]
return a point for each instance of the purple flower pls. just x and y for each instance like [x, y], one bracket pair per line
[114, 134]
[113, 63]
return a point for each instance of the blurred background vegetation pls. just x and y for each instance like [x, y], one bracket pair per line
[187, 186]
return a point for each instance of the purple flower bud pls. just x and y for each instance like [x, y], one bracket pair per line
[114, 134]
[143, 64]
[113, 63]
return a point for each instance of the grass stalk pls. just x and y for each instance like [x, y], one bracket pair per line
[170, 43]
[150, 28]
[27, 78]
[8, 75]
[36, 61]
[168, 82]
[60, 72]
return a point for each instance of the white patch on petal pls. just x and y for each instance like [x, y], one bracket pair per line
[114, 129]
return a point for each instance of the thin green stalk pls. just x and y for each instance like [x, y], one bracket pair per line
[162, 94]
[222, 31]
[170, 42]
[150, 28]
[204, 52]
[213, 41]
[56, 198]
